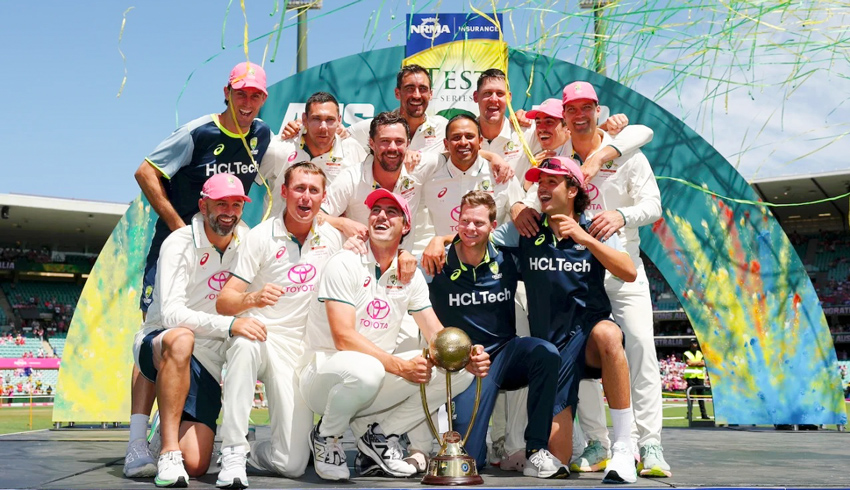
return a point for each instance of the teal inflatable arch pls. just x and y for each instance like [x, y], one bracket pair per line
[768, 349]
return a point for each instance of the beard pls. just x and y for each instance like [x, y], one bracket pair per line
[219, 228]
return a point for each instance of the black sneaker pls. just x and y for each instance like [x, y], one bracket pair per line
[366, 466]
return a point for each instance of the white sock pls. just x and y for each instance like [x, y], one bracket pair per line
[621, 420]
[138, 426]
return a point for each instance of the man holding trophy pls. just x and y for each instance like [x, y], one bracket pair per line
[475, 292]
[351, 373]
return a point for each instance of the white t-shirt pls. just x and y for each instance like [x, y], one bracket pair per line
[190, 274]
[282, 154]
[428, 136]
[270, 254]
[442, 193]
[380, 302]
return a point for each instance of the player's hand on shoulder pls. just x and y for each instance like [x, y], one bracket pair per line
[479, 361]
[606, 224]
[434, 256]
[525, 219]
[250, 328]
[356, 244]
[616, 123]
[412, 159]
[406, 266]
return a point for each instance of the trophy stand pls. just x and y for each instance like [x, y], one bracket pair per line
[450, 349]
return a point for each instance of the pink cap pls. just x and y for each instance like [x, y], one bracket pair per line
[579, 91]
[248, 75]
[385, 194]
[549, 107]
[223, 185]
[556, 166]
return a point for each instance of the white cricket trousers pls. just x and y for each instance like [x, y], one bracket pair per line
[273, 362]
[632, 309]
[353, 389]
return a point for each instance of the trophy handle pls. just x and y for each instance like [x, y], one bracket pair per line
[426, 355]
[474, 409]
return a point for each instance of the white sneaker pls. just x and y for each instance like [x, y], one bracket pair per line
[232, 473]
[386, 451]
[139, 463]
[170, 471]
[621, 466]
[652, 461]
[328, 456]
[593, 458]
[543, 464]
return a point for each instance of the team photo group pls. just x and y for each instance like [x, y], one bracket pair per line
[521, 232]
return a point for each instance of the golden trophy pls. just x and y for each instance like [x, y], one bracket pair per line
[451, 349]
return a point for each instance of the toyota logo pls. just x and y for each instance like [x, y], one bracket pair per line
[216, 281]
[377, 309]
[302, 273]
[456, 214]
[592, 191]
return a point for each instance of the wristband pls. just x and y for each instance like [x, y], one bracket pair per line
[230, 328]
[624, 217]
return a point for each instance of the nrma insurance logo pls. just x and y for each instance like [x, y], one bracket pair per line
[429, 28]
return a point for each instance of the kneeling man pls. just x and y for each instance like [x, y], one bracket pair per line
[352, 374]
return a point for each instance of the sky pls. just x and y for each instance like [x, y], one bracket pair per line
[69, 135]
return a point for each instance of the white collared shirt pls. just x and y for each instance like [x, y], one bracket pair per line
[380, 301]
[190, 274]
[443, 192]
[506, 144]
[271, 254]
[282, 154]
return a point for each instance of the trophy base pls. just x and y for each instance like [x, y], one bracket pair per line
[452, 470]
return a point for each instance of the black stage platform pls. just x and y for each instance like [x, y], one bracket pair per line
[722, 457]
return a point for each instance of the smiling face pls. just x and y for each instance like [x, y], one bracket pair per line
[386, 222]
[414, 95]
[550, 131]
[321, 122]
[474, 225]
[581, 116]
[303, 194]
[221, 215]
[245, 103]
[492, 99]
[389, 146]
[463, 140]
[554, 194]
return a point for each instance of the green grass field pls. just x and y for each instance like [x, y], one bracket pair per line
[17, 419]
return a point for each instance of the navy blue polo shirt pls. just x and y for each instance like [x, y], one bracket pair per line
[195, 152]
[478, 299]
[564, 281]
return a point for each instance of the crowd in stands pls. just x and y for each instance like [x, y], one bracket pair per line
[42, 256]
[26, 381]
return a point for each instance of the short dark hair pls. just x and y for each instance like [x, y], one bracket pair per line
[307, 168]
[479, 198]
[463, 116]
[491, 74]
[388, 118]
[408, 69]
[320, 98]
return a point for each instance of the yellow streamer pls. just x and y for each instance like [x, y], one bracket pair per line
[123, 58]
[504, 62]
